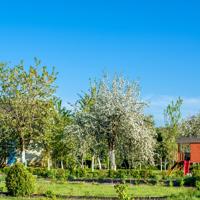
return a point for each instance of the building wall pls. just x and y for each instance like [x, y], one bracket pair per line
[195, 153]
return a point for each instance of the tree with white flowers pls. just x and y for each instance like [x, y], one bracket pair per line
[191, 126]
[117, 117]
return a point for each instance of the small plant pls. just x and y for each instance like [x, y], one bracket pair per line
[182, 182]
[121, 190]
[19, 181]
[171, 184]
[197, 184]
[61, 175]
[50, 194]
[157, 179]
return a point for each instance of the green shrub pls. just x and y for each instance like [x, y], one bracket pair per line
[19, 181]
[180, 182]
[71, 177]
[5, 170]
[50, 194]
[179, 173]
[121, 174]
[144, 174]
[157, 179]
[135, 174]
[61, 174]
[121, 190]
[111, 173]
[41, 172]
[79, 173]
[171, 183]
[197, 184]
[189, 181]
[51, 173]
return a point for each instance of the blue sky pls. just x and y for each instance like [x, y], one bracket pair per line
[156, 42]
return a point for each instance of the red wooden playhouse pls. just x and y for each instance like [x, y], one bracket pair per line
[188, 152]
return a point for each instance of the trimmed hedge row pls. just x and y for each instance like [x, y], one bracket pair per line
[62, 174]
[87, 173]
[152, 177]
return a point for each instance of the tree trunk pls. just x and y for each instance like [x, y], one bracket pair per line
[165, 165]
[61, 163]
[48, 163]
[161, 167]
[112, 160]
[99, 162]
[23, 151]
[92, 163]
[82, 163]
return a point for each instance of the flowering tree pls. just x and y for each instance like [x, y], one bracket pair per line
[191, 126]
[117, 116]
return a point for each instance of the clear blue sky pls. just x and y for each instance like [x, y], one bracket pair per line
[156, 42]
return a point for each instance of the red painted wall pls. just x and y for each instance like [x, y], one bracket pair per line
[195, 153]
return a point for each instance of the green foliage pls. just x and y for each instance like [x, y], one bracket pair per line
[121, 174]
[190, 195]
[157, 179]
[61, 174]
[40, 172]
[121, 190]
[50, 194]
[171, 183]
[178, 173]
[19, 181]
[5, 170]
[190, 181]
[197, 184]
[180, 182]
[172, 117]
[26, 105]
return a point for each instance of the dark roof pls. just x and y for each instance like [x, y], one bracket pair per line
[188, 140]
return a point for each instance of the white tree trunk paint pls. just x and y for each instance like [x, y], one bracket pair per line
[92, 163]
[23, 156]
[99, 162]
[48, 164]
[61, 163]
[112, 160]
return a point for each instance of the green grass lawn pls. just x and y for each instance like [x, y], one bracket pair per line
[103, 190]
[107, 190]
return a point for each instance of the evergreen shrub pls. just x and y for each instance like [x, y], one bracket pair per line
[19, 181]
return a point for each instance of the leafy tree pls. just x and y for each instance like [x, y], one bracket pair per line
[161, 152]
[26, 103]
[172, 118]
[64, 144]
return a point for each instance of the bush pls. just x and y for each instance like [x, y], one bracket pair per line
[19, 181]
[180, 182]
[61, 174]
[121, 174]
[189, 181]
[41, 172]
[51, 173]
[197, 184]
[157, 179]
[171, 183]
[71, 177]
[121, 190]
[50, 194]
[111, 173]
[5, 170]
[179, 173]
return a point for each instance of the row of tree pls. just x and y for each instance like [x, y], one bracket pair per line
[107, 125]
